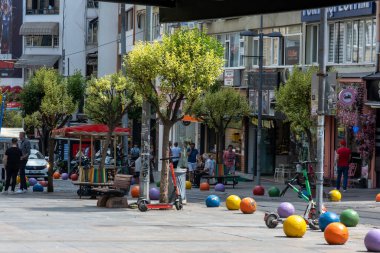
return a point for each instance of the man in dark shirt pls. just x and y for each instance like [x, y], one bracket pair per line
[12, 164]
[343, 158]
[192, 154]
[25, 149]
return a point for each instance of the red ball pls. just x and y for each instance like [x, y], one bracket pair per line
[258, 190]
[204, 186]
[74, 177]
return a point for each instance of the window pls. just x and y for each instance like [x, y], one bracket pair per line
[311, 44]
[92, 33]
[233, 49]
[42, 7]
[141, 21]
[92, 4]
[41, 41]
[129, 20]
[352, 41]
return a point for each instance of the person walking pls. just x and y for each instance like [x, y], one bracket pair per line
[229, 157]
[12, 164]
[192, 154]
[343, 157]
[135, 153]
[25, 150]
[175, 154]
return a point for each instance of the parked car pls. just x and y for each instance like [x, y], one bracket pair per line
[36, 166]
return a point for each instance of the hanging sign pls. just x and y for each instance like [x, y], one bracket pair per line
[347, 96]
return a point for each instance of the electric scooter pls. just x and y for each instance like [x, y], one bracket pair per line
[304, 192]
[144, 205]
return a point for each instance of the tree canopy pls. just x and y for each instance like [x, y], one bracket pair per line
[173, 74]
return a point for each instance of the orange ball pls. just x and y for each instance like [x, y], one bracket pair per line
[378, 197]
[248, 205]
[56, 175]
[74, 177]
[204, 186]
[135, 191]
[336, 233]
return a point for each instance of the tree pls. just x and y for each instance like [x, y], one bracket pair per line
[294, 100]
[76, 85]
[218, 109]
[54, 110]
[107, 100]
[12, 119]
[172, 74]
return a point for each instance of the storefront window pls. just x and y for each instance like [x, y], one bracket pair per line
[233, 49]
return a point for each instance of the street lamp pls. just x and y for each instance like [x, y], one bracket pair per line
[261, 36]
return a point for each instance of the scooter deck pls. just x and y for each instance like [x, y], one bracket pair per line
[159, 206]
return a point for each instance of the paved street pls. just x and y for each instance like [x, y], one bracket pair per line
[60, 222]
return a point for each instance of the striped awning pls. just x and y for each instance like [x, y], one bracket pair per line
[39, 28]
[33, 61]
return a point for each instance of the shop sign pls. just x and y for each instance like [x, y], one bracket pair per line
[347, 96]
[340, 11]
[229, 77]
[292, 55]
[265, 123]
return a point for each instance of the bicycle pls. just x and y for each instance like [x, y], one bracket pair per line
[304, 192]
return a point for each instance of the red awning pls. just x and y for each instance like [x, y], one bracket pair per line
[188, 118]
[88, 130]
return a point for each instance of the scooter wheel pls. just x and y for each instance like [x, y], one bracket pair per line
[178, 203]
[143, 206]
[313, 225]
[272, 220]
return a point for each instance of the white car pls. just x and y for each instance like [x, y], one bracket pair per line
[36, 166]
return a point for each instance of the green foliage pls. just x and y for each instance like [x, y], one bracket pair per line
[108, 99]
[186, 64]
[76, 85]
[12, 119]
[294, 99]
[218, 109]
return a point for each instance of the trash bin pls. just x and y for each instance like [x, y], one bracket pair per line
[180, 175]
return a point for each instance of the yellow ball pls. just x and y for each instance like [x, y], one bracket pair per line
[18, 180]
[233, 202]
[335, 195]
[294, 226]
[188, 185]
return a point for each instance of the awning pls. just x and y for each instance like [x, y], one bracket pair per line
[188, 118]
[32, 61]
[373, 104]
[88, 130]
[39, 28]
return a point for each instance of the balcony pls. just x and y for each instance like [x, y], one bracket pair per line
[45, 11]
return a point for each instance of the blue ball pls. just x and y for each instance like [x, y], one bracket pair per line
[326, 218]
[212, 201]
[154, 194]
[38, 188]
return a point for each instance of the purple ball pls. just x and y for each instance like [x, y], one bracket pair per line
[32, 181]
[65, 176]
[154, 194]
[220, 187]
[372, 240]
[285, 210]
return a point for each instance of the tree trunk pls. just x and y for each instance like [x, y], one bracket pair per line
[106, 143]
[312, 150]
[220, 146]
[164, 185]
[50, 187]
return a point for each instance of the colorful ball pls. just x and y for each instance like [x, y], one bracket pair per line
[43, 183]
[154, 194]
[372, 240]
[335, 195]
[204, 186]
[349, 218]
[135, 191]
[65, 176]
[326, 218]
[378, 197]
[294, 226]
[336, 233]
[38, 188]
[57, 175]
[188, 185]
[286, 209]
[32, 181]
[258, 190]
[274, 192]
[212, 201]
[17, 179]
[74, 177]
[248, 205]
[233, 202]
[220, 187]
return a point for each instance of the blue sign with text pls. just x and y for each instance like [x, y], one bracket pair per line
[340, 11]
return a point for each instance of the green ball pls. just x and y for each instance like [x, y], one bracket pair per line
[349, 217]
[158, 184]
[27, 184]
[274, 192]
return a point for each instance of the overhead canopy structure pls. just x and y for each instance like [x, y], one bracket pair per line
[188, 10]
[35, 61]
[39, 28]
[88, 130]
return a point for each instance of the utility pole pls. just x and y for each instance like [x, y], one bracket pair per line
[145, 121]
[322, 59]
[123, 45]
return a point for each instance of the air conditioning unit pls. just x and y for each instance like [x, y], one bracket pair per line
[285, 74]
